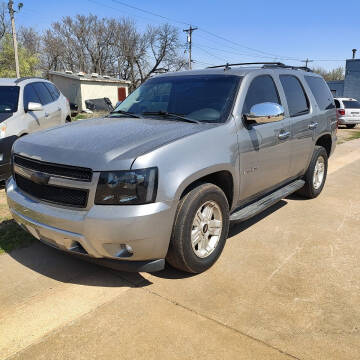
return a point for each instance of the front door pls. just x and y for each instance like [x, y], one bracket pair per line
[264, 148]
[33, 119]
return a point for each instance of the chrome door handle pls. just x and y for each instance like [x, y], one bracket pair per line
[313, 125]
[284, 135]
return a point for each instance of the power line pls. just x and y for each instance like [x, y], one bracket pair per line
[150, 12]
[307, 61]
[201, 29]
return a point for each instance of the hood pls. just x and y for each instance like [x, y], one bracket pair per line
[104, 144]
[5, 116]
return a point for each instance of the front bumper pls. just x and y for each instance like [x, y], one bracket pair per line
[101, 232]
[5, 156]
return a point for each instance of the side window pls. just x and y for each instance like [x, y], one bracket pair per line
[30, 95]
[43, 93]
[321, 92]
[55, 93]
[295, 95]
[337, 104]
[262, 89]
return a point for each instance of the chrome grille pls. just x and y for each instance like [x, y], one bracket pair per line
[54, 183]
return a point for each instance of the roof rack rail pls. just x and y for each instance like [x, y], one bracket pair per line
[227, 66]
[27, 78]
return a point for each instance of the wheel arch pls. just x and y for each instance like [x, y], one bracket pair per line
[223, 178]
[325, 141]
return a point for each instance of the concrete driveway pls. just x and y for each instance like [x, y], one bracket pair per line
[285, 287]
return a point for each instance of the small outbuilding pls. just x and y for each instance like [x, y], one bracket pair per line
[80, 87]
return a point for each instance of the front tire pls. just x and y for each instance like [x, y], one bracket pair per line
[316, 173]
[200, 229]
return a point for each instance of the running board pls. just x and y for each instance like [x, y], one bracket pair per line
[255, 208]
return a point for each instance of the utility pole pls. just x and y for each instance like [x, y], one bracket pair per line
[12, 12]
[189, 32]
[307, 61]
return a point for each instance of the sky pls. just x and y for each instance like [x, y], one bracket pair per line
[230, 30]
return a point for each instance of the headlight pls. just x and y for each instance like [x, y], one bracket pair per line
[132, 187]
[3, 131]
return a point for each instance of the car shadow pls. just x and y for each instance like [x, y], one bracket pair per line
[66, 268]
[237, 228]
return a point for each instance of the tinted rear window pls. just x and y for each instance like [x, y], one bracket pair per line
[321, 92]
[55, 93]
[351, 104]
[295, 96]
[43, 93]
[9, 98]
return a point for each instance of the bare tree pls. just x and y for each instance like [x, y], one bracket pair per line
[110, 46]
[30, 39]
[4, 23]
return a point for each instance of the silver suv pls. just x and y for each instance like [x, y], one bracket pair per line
[185, 154]
[27, 105]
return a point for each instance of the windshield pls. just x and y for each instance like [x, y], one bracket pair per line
[351, 104]
[9, 97]
[199, 97]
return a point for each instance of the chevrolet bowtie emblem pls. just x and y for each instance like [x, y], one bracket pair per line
[40, 178]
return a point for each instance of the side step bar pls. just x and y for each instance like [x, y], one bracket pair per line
[255, 208]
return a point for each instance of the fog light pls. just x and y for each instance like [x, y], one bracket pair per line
[128, 248]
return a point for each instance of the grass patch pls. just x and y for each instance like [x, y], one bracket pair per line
[355, 135]
[83, 116]
[12, 236]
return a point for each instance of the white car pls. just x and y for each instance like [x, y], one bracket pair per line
[27, 105]
[348, 110]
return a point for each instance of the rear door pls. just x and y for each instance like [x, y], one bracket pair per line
[50, 107]
[33, 119]
[60, 108]
[264, 148]
[302, 123]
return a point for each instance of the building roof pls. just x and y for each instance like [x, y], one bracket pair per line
[88, 77]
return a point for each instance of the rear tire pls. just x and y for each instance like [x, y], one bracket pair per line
[350, 126]
[200, 229]
[315, 176]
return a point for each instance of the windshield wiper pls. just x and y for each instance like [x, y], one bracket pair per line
[170, 114]
[122, 112]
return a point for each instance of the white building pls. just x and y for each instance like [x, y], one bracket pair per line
[78, 87]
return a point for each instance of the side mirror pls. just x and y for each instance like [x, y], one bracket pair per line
[264, 113]
[33, 106]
